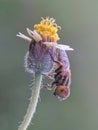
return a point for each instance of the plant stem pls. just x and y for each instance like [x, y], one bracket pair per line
[33, 102]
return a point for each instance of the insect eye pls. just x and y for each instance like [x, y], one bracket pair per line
[62, 90]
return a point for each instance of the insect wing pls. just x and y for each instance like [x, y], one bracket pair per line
[59, 46]
[64, 57]
[64, 47]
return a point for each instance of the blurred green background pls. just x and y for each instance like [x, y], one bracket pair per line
[79, 22]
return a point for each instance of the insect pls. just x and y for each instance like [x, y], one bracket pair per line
[62, 76]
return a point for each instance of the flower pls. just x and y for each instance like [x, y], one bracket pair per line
[43, 40]
[47, 28]
[38, 57]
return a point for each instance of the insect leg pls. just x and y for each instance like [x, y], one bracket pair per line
[68, 78]
[59, 63]
[48, 76]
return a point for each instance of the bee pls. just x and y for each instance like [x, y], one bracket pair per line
[62, 76]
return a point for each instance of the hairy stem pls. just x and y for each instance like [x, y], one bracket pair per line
[33, 102]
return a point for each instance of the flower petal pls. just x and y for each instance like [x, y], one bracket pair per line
[24, 37]
[59, 46]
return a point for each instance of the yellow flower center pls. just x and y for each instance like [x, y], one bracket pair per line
[48, 29]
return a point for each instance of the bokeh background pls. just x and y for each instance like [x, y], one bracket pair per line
[79, 22]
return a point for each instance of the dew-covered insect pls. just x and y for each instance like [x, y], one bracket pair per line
[62, 76]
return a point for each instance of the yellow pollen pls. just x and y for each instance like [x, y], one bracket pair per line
[48, 29]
